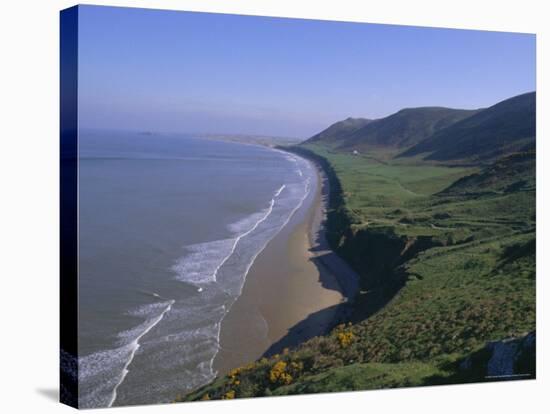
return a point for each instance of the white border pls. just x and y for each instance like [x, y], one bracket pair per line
[29, 203]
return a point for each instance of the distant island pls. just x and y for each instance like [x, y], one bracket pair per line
[434, 208]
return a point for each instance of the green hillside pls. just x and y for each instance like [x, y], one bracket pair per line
[508, 126]
[404, 128]
[339, 131]
[400, 130]
[512, 173]
[446, 257]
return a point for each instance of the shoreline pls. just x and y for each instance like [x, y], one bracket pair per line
[294, 290]
[346, 277]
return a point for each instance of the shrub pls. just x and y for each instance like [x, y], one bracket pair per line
[229, 395]
[279, 374]
[344, 335]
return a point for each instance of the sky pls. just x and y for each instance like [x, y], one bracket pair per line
[168, 71]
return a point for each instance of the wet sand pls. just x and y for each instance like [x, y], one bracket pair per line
[291, 292]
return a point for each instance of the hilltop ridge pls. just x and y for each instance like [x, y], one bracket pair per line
[440, 134]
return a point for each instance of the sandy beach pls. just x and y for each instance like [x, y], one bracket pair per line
[296, 289]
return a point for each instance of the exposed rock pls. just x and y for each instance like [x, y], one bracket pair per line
[507, 359]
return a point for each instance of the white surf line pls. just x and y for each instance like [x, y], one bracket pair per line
[135, 346]
[280, 190]
[227, 308]
[307, 191]
[287, 154]
[246, 233]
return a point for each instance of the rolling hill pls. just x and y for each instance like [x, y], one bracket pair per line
[339, 131]
[515, 172]
[405, 128]
[508, 126]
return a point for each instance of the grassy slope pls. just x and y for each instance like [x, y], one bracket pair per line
[400, 130]
[503, 128]
[472, 283]
[338, 131]
[374, 189]
[404, 128]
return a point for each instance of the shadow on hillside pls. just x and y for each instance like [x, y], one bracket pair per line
[336, 274]
[368, 303]
[328, 275]
[316, 324]
[322, 322]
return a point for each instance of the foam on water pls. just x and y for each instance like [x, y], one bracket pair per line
[199, 266]
[203, 261]
[242, 226]
[101, 373]
[183, 345]
[278, 193]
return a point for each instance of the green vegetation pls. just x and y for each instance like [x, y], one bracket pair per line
[446, 259]
[503, 128]
[404, 128]
[364, 377]
[440, 134]
[339, 131]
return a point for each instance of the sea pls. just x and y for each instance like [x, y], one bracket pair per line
[169, 226]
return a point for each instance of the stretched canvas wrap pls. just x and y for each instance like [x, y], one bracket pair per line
[256, 206]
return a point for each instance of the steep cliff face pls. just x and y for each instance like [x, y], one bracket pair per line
[377, 254]
[374, 254]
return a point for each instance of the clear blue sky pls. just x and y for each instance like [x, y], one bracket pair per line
[197, 72]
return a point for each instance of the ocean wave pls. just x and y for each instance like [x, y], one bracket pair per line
[184, 346]
[246, 223]
[279, 191]
[101, 373]
[204, 260]
[199, 266]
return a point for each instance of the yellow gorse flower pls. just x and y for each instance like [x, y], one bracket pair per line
[345, 336]
[279, 374]
[229, 395]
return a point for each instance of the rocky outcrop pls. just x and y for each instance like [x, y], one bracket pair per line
[508, 359]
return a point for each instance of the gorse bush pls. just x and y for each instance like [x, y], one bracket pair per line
[229, 395]
[278, 374]
[344, 335]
